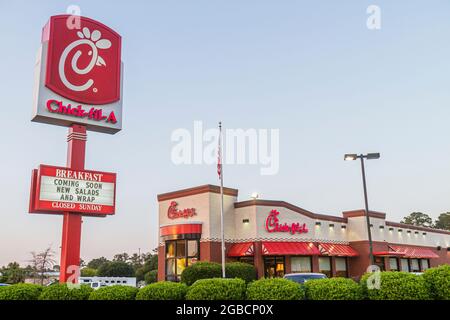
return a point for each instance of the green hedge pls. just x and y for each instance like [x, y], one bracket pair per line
[396, 286]
[241, 270]
[437, 281]
[210, 270]
[164, 290]
[333, 289]
[61, 291]
[217, 289]
[275, 289]
[21, 291]
[201, 270]
[114, 293]
[151, 276]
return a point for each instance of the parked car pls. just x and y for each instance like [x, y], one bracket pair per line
[3, 284]
[304, 277]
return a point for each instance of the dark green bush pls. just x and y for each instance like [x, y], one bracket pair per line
[164, 290]
[21, 291]
[201, 270]
[217, 289]
[396, 286]
[151, 276]
[240, 270]
[115, 269]
[114, 293]
[437, 281]
[61, 291]
[275, 289]
[333, 289]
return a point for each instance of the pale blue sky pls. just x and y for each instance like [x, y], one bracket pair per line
[309, 68]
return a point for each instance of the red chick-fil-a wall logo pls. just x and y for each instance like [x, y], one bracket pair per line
[84, 65]
[273, 225]
[174, 213]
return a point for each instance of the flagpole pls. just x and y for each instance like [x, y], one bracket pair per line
[222, 234]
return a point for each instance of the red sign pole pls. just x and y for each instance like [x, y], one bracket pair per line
[71, 233]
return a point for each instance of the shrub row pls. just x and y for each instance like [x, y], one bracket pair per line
[209, 270]
[433, 284]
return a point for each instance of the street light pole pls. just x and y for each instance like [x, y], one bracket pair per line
[368, 156]
[369, 231]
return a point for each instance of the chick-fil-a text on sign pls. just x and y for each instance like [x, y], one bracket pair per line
[273, 225]
[174, 213]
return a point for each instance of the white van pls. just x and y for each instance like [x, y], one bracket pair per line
[98, 282]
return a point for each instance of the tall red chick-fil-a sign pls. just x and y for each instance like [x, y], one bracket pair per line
[273, 225]
[78, 76]
[174, 213]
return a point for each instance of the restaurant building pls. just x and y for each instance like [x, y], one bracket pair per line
[278, 237]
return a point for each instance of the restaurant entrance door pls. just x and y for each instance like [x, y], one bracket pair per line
[274, 267]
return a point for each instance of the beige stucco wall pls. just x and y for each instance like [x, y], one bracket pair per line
[207, 206]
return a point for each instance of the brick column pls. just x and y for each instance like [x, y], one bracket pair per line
[258, 259]
[315, 263]
[161, 263]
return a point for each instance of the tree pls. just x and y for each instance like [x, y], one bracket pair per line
[13, 273]
[418, 219]
[443, 221]
[88, 272]
[116, 269]
[122, 257]
[97, 263]
[42, 262]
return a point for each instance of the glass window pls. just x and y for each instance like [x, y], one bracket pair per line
[405, 264]
[248, 260]
[415, 265]
[274, 267]
[301, 264]
[393, 264]
[170, 249]
[192, 248]
[379, 261]
[425, 264]
[325, 266]
[170, 266]
[179, 255]
[181, 248]
[341, 267]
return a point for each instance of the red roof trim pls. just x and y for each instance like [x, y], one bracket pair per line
[415, 252]
[339, 250]
[181, 229]
[241, 250]
[289, 248]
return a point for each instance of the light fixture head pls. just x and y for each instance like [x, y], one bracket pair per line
[331, 225]
[381, 227]
[245, 221]
[318, 223]
[343, 226]
[350, 156]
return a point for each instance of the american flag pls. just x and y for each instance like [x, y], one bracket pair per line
[219, 153]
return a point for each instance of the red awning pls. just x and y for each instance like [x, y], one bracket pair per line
[415, 252]
[289, 248]
[340, 250]
[241, 249]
